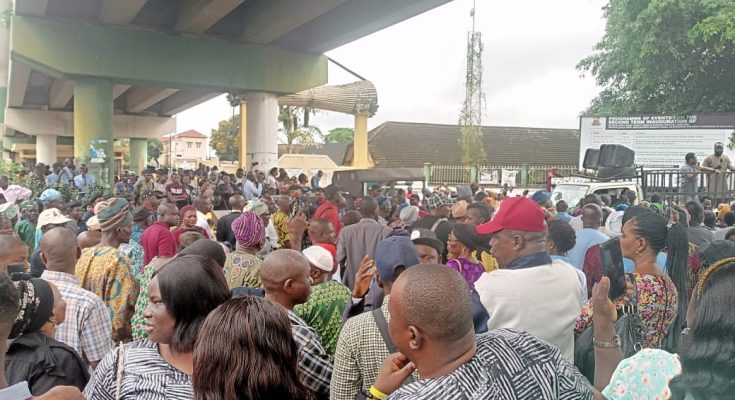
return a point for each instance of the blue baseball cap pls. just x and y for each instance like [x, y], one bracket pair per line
[393, 252]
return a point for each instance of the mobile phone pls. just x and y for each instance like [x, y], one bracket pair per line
[16, 269]
[612, 267]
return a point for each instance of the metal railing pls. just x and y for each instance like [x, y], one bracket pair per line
[527, 174]
[676, 187]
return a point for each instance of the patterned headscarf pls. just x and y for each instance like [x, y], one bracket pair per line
[8, 213]
[249, 230]
[113, 213]
[257, 207]
[36, 306]
[28, 204]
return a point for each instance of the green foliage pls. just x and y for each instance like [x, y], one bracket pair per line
[665, 57]
[155, 148]
[339, 135]
[295, 126]
[224, 139]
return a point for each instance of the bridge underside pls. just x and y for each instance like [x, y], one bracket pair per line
[104, 69]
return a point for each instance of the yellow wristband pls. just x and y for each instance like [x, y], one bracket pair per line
[377, 393]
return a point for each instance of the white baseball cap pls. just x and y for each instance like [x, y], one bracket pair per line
[319, 257]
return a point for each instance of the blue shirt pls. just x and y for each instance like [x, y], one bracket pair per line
[52, 179]
[586, 238]
[629, 266]
[83, 182]
[563, 216]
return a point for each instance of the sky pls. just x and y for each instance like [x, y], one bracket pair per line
[531, 48]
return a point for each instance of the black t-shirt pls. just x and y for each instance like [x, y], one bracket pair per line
[442, 231]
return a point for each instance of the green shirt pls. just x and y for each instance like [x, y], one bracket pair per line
[323, 311]
[27, 233]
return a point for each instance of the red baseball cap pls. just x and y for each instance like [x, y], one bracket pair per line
[517, 213]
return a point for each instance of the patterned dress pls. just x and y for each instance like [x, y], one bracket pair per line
[106, 272]
[134, 252]
[657, 305]
[280, 222]
[471, 270]
[323, 311]
[138, 322]
[242, 269]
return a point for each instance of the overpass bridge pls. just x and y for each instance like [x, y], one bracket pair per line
[98, 70]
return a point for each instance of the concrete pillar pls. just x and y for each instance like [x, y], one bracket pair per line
[4, 56]
[93, 128]
[138, 154]
[242, 138]
[261, 130]
[46, 149]
[360, 157]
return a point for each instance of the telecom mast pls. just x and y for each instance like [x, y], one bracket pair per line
[470, 119]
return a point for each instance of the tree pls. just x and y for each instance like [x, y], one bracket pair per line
[295, 126]
[340, 135]
[224, 139]
[155, 148]
[665, 57]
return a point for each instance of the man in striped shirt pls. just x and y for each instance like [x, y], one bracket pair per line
[87, 326]
[431, 325]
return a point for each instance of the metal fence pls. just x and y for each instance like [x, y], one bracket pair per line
[527, 174]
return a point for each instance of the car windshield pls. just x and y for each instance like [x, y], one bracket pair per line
[572, 194]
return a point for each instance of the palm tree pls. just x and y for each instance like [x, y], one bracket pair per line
[295, 126]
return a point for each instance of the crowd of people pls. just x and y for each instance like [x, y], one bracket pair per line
[200, 284]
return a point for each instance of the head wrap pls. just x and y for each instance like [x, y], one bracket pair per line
[409, 215]
[36, 306]
[27, 204]
[113, 213]
[249, 230]
[49, 196]
[257, 207]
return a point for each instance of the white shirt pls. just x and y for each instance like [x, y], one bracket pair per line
[250, 191]
[202, 223]
[543, 301]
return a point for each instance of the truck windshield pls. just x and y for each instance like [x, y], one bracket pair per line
[572, 194]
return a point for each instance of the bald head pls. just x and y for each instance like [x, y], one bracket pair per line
[436, 300]
[59, 250]
[165, 208]
[237, 202]
[89, 239]
[591, 216]
[280, 266]
[285, 277]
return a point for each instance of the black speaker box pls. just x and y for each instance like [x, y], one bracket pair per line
[591, 158]
[616, 156]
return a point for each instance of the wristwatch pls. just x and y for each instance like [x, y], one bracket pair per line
[615, 343]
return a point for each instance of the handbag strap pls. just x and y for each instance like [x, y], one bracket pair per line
[383, 328]
[437, 223]
[633, 314]
[120, 369]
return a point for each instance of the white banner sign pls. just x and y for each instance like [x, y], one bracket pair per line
[659, 141]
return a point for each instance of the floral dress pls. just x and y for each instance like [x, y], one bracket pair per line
[657, 305]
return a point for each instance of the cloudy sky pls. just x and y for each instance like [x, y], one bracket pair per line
[417, 66]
